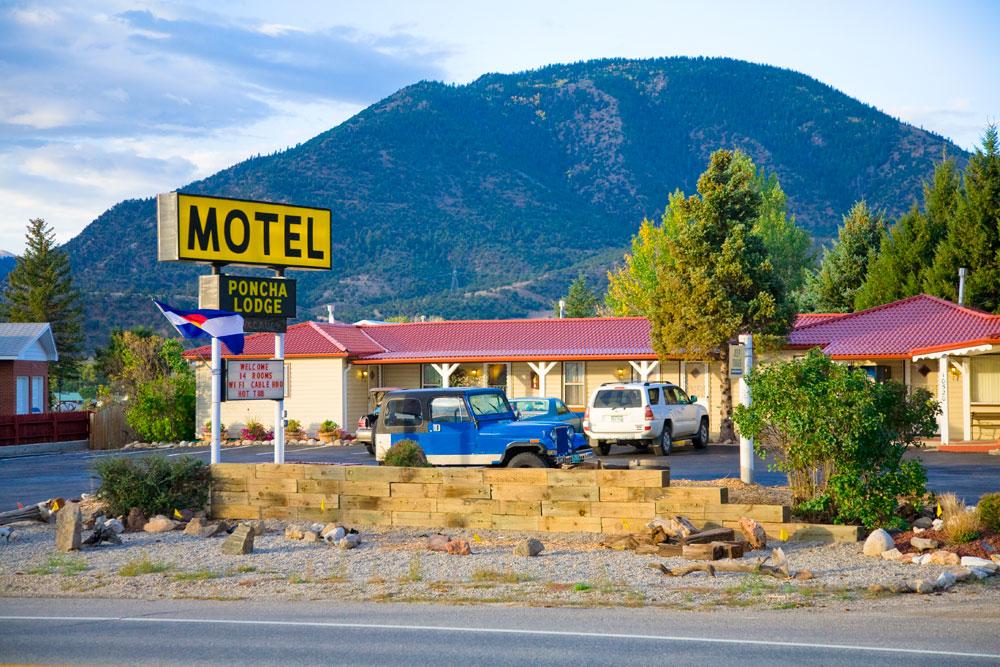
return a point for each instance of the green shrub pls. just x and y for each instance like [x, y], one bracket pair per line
[839, 436]
[328, 426]
[293, 425]
[989, 511]
[406, 454]
[154, 484]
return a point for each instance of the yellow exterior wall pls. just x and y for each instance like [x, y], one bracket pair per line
[404, 376]
[357, 395]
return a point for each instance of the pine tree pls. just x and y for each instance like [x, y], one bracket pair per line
[580, 300]
[834, 287]
[789, 246]
[901, 267]
[40, 289]
[718, 281]
[973, 233]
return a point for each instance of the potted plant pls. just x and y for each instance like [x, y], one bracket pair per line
[293, 430]
[328, 431]
[206, 431]
[255, 431]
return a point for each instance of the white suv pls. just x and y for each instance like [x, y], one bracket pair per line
[644, 414]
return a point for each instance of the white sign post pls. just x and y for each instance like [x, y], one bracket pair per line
[216, 448]
[279, 404]
[746, 444]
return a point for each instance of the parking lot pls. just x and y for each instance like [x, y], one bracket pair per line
[28, 479]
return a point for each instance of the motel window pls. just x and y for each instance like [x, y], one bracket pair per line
[573, 383]
[37, 394]
[496, 376]
[429, 377]
[986, 379]
[21, 385]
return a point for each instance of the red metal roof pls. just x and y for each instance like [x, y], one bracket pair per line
[897, 330]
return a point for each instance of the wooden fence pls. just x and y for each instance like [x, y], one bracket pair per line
[108, 428]
[43, 428]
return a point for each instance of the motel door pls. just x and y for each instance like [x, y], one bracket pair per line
[697, 381]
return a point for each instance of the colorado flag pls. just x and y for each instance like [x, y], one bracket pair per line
[221, 324]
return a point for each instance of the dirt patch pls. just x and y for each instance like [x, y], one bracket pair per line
[984, 547]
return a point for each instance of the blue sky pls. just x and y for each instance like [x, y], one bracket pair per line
[105, 100]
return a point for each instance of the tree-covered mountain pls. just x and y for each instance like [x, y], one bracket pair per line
[514, 184]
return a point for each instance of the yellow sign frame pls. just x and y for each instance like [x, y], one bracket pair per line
[220, 230]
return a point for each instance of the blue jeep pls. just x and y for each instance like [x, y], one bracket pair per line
[462, 426]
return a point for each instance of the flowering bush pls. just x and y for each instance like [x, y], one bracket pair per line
[254, 430]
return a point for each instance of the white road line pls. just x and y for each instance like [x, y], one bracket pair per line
[293, 451]
[507, 631]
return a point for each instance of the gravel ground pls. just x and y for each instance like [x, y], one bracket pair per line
[393, 564]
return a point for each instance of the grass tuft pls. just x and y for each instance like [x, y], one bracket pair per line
[197, 575]
[63, 564]
[143, 565]
[500, 576]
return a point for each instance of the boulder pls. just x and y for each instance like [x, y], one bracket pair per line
[316, 528]
[754, 533]
[529, 547]
[877, 588]
[937, 524]
[899, 587]
[920, 559]
[963, 574]
[257, 526]
[923, 543]
[892, 554]
[135, 521]
[973, 561]
[310, 536]
[69, 527]
[878, 543]
[159, 524]
[349, 541]
[979, 573]
[945, 581]
[332, 533]
[114, 525]
[201, 528]
[294, 532]
[923, 522]
[942, 557]
[458, 548]
[239, 542]
[438, 542]
[922, 586]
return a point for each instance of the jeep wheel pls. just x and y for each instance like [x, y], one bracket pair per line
[666, 442]
[527, 460]
[601, 446]
[700, 440]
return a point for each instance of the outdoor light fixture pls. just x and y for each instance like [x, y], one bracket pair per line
[621, 373]
[362, 375]
[474, 373]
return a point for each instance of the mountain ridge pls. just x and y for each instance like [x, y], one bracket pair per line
[534, 175]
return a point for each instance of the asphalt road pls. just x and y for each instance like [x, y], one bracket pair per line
[28, 479]
[172, 632]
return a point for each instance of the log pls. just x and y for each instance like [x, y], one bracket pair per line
[29, 513]
[707, 536]
[684, 569]
[702, 551]
[757, 567]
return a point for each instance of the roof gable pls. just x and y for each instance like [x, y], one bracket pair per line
[27, 341]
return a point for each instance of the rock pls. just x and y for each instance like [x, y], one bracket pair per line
[922, 586]
[923, 543]
[942, 557]
[899, 587]
[316, 528]
[114, 525]
[963, 575]
[923, 522]
[294, 533]
[973, 561]
[349, 541]
[529, 547]
[937, 524]
[458, 548]
[438, 542]
[892, 554]
[136, 520]
[995, 558]
[159, 524]
[240, 542]
[754, 533]
[877, 543]
[920, 559]
[332, 533]
[69, 527]
[803, 575]
[183, 515]
[877, 588]
[919, 531]
[6, 533]
[945, 581]
[979, 573]
[198, 527]
[310, 536]
[678, 526]
[257, 526]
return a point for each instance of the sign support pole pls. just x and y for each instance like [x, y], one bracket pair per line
[746, 444]
[279, 405]
[216, 400]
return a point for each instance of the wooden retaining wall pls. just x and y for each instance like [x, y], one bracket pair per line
[595, 501]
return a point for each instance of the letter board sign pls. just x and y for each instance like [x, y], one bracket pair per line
[214, 230]
[249, 296]
[255, 380]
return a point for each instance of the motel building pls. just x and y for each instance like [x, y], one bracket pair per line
[923, 341]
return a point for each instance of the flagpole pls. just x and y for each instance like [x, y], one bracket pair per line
[216, 399]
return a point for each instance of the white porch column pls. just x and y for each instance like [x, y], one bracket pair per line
[684, 375]
[445, 371]
[966, 369]
[644, 368]
[907, 374]
[943, 364]
[541, 369]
